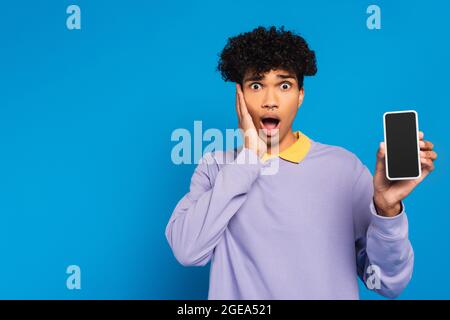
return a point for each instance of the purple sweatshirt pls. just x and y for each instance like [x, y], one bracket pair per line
[306, 232]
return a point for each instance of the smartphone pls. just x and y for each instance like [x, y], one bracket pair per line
[401, 137]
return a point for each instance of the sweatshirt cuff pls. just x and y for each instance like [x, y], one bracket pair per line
[390, 227]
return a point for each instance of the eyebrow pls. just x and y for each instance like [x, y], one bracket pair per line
[259, 77]
[285, 76]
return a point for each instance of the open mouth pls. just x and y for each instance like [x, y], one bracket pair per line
[270, 124]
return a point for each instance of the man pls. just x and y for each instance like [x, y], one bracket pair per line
[307, 231]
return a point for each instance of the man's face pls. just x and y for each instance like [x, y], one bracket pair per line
[272, 101]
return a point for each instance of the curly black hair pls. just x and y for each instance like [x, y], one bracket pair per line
[262, 50]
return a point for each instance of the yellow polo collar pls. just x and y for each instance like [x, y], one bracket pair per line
[295, 152]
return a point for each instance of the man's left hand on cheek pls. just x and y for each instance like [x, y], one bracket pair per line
[389, 194]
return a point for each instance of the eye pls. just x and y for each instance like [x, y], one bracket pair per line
[285, 85]
[255, 85]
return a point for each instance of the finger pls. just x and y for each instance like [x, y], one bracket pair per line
[426, 161]
[238, 108]
[421, 135]
[428, 155]
[238, 113]
[427, 164]
[238, 100]
[426, 145]
[242, 104]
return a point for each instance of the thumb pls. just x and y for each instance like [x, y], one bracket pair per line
[381, 165]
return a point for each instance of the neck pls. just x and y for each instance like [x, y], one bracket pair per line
[288, 140]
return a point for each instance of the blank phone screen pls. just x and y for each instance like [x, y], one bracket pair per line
[401, 143]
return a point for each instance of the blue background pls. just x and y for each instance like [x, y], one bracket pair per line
[86, 117]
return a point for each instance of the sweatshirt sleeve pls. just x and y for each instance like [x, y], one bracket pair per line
[384, 254]
[201, 216]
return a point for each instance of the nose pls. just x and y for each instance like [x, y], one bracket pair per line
[270, 106]
[269, 101]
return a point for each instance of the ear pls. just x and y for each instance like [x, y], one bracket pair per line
[301, 95]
